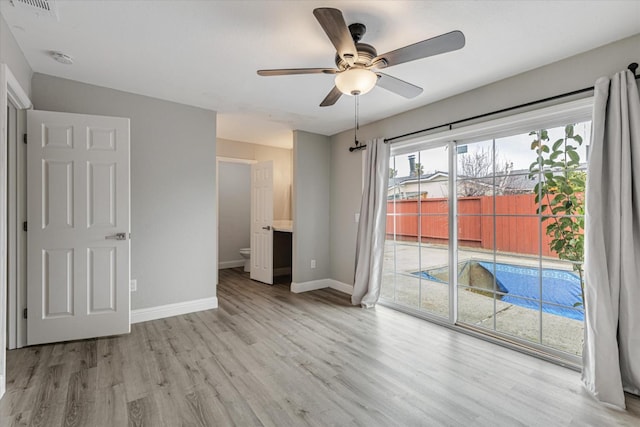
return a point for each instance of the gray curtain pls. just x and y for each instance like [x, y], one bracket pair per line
[372, 226]
[611, 356]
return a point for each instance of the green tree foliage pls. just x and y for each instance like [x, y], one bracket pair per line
[392, 173]
[560, 194]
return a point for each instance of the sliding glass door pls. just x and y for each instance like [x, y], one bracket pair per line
[496, 243]
[523, 277]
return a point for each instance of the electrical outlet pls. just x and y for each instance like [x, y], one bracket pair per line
[313, 263]
[356, 218]
[133, 285]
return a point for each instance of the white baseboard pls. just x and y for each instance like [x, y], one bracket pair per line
[321, 284]
[170, 310]
[230, 264]
[311, 285]
[342, 287]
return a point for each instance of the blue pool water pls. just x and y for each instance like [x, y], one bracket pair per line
[520, 283]
[558, 287]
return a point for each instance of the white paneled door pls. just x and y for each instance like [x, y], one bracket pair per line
[262, 221]
[78, 226]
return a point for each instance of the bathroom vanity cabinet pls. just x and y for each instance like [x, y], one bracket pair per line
[282, 248]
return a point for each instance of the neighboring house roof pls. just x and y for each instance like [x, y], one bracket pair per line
[517, 181]
[413, 186]
[411, 179]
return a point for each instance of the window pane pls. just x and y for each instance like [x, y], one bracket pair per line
[418, 231]
[563, 333]
[476, 284]
[475, 161]
[517, 236]
[563, 314]
[407, 290]
[404, 227]
[518, 281]
[434, 256]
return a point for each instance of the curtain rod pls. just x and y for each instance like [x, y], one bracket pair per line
[632, 67]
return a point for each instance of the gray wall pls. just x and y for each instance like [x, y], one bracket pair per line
[11, 55]
[282, 169]
[567, 75]
[234, 210]
[311, 183]
[173, 208]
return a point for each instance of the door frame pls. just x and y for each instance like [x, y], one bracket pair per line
[16, 237]
[10, 92]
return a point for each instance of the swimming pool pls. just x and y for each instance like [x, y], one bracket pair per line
[521, 286]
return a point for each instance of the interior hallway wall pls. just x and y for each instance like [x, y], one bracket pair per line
[311, 206]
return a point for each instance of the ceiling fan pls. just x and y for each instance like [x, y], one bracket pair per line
[358, 64]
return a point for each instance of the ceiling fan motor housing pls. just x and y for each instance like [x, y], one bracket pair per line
[366, 53]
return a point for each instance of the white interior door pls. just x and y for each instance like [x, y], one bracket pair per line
[262, 222]
[78, 226]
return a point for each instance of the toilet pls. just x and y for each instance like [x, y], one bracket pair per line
[246, 255]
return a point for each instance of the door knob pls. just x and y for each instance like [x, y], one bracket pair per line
[268, 227]
[117, 236]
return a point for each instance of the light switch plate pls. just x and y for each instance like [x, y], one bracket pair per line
[133, 285]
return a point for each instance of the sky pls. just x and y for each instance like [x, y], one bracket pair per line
[516, 149]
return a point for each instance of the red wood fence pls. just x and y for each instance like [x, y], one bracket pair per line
[517, 226]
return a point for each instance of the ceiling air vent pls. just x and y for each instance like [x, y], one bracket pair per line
[44, 8]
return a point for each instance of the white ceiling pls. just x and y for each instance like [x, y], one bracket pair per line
[206, 53]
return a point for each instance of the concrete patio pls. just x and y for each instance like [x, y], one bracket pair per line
[475, 307]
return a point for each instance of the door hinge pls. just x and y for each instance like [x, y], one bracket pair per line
[24, 138]
[24, 226]
[24, 313]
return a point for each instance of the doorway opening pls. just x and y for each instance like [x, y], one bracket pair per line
[234, 212]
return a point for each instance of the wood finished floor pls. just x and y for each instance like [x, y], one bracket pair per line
[270, 357]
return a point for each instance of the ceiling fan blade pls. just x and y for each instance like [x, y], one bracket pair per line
[331, 98]
[289, 71]
[430, 47]
[398, 86]
[332, 22]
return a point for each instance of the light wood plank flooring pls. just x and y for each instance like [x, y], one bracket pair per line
[269, 357]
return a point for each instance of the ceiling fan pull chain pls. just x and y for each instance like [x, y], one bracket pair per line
[357, 123]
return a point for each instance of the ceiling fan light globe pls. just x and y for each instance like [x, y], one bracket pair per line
[356, 81]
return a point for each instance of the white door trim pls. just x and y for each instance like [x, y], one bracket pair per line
[10, 91]
[16, 237]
